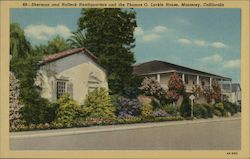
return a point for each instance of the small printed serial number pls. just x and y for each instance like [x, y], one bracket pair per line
[232, 153]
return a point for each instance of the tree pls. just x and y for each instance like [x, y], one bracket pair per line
[19, 46]
[55, 45]
[109, 35]
[77, 39]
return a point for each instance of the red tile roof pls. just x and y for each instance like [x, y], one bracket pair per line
[59, 55]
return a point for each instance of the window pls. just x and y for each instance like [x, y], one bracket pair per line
[61, 88]
[92, 85]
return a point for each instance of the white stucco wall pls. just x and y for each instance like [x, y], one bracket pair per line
[77, 70]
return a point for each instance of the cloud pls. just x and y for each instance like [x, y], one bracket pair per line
[232, 63]
[200, 42]
[184, 41]
[213, 58]
[218, 45]
[44, 32]
[139, 31]
[150, 37]
[160, 29]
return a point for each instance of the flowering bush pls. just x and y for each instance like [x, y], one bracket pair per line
[15, 105]
[172, 96]
[175, 83]
[216, 91]
[98, 104]
[160, 113]
[128, 107]
[151, 87]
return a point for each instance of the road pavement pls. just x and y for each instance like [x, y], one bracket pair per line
[209, 134]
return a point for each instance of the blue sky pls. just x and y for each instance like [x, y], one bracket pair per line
[204, 39]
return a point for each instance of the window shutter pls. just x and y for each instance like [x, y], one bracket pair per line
[54, 90]
[70, 89]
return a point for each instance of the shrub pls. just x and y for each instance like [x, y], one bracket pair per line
[68, 111]
[200, 111]
[171, 96]
[147, 111]
[230, 107]
[160, 113]
[171, 109]
[151, 87]
[98, 104]
[14, 104]
[210, 110]
[128, 107]
[217, 112]
[185, 108]
[175, 83]
[219, 106]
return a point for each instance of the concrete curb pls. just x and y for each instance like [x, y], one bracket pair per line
[99, 129]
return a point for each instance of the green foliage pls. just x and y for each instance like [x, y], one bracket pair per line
[109, 35]
[210, 110]
[68, 111]
[185, 108]
[77, 39]
[217, 112]
[55, 45]
[19, 46]
[200, 111]
[230, 107]
[147, 111]
[98, 104]
[219, 106]
[171, 109]
[25, 70]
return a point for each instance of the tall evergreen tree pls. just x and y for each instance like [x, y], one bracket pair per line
[19, 46]
[109, 35]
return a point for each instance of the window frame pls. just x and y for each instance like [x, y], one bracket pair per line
[63, 87]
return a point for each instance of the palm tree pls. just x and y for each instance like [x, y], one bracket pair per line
[77, 39]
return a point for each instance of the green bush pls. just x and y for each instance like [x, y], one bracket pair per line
[68, 111]
[147, 111]
[200, 111]
[230, 107]
[171, 109]
[185, 108]
[217, 112]
[98, 104]
[219, 106]
[210, 110]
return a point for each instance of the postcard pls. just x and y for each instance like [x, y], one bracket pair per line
[124, 79]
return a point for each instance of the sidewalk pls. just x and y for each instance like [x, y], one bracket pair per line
[96, 129]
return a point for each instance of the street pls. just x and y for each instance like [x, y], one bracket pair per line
[208, 135]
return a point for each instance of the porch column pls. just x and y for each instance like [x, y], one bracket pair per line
[198, 80]
[210, 82]
[183, 78]
[230, 86]
[158, 78]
